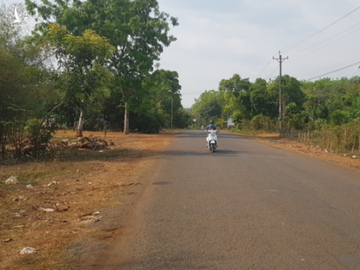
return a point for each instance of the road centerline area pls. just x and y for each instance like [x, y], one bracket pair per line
[246, 206]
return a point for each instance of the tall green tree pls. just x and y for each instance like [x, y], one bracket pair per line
[137, 29]
[291, 92]
[237, 96]
[82, 60]
[235, 84]
[25, 90]
[163, 90]
[262, 102]
[209, 105]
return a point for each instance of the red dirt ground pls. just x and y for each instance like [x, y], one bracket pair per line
[75, 186]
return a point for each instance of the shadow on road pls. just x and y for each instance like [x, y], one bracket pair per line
[201, 133]
[202, 153]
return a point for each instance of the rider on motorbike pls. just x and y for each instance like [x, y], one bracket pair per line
[211, 126]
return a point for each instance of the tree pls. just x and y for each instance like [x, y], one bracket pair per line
[211, 110]
[82, 58]
[237, 96]
[235, 84]
[291, 91]
[262, 102]
[163, 93]
[209, 105]
[338, 117]
[136, 28]
[25, 91]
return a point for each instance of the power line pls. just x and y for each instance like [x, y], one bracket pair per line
[264, 68]
[272, 72]
[353, 64]
[346, 72]
[324, 46]
[330, 66]
[327, 39]
[318, 32]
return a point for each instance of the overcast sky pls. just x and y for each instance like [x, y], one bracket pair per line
[217, 39]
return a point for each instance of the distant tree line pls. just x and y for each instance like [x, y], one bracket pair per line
[326, 107]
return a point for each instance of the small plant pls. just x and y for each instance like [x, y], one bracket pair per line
[39, 132]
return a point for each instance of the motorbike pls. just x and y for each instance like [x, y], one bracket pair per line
[211, 140]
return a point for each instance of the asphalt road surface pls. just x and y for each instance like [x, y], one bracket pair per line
[246, 206]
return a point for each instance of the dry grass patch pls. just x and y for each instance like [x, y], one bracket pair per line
[67, 195]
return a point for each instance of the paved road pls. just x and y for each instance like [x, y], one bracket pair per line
[246, 206]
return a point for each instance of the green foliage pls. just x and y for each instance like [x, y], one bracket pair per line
[262, 101]
[338, 117]
[40, 134]
[234, 85]
[209, 106]
[306, 105]
[219, 123]
[259, 121]
[137, 30]
[211, 110]
[296, 121]
[182, 119]
[238, 117]
[291, 90]
[237, 96]
[151, 122]
[353, 112]
[84, 82]
[105, 52]
[162, 90]
[25, 88]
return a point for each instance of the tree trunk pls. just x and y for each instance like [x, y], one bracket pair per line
[126, 121]
[126, 117]
[80, 126]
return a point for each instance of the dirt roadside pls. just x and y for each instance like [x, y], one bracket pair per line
[69, 197]
[346, 159]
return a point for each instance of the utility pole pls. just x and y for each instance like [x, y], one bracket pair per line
[280, 60]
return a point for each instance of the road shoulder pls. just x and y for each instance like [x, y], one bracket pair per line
[346, 159]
